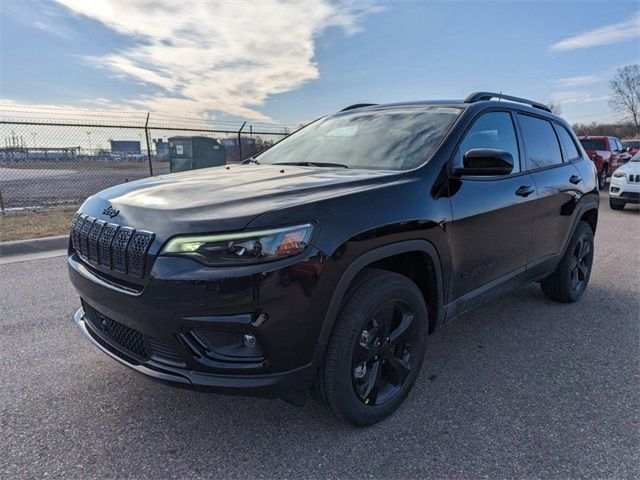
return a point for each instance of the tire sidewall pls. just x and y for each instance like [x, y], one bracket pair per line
[583, 230]
[602, 178]
[342, 393]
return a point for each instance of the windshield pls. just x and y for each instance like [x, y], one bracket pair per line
[593, 144]
[398, 139]
[636, 157]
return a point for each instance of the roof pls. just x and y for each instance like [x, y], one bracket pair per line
[475, 98]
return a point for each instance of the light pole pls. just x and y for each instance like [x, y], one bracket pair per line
[89, 138]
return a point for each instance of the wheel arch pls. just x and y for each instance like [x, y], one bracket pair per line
[588, 212]
[590, 216]
[395, 257]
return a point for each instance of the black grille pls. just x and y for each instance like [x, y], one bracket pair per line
[127, 338]
[84, 234]
[92, 240]
[136, 253]
[104, 244]
[74, 222]
[117, 248]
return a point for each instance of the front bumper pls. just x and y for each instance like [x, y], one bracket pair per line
[622, 190]
[185, 312]
[290, 386]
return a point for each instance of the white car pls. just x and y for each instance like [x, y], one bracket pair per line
[625, 184]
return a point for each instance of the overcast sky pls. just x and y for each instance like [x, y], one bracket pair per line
[289, 62]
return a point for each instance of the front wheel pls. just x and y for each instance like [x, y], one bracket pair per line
[602, 177]
[376, 349]
[570, 280]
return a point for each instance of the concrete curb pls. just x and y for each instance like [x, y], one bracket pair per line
[33, 245]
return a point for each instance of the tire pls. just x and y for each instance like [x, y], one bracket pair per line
[379, 306]
[616, 204]
[570, 280]
[602, 177]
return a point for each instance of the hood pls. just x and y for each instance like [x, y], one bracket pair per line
[632, 168]
[224, 198]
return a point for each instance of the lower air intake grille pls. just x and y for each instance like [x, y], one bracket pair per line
[127, 338]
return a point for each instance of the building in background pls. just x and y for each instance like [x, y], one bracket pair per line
[125, 148]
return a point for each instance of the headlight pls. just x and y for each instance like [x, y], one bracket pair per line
[242, 248]
[619, 174]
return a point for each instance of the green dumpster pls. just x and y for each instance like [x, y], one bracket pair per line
[190, 153]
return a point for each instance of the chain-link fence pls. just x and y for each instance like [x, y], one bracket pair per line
[59, 159]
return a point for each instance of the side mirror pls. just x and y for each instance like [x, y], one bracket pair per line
[485, 162]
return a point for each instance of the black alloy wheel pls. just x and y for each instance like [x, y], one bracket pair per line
[602, 178]
[570, 279]
[382, 359]
[582, 260]
[376, 349]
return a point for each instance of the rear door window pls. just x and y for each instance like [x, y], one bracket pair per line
[567, 142]
[540, 142]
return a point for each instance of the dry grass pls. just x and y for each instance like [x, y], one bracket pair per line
[20, 226]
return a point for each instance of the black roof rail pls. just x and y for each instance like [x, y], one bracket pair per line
[358, 105]
[479, 96]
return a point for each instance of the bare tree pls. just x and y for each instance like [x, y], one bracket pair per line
[554, 107]
[625, 94]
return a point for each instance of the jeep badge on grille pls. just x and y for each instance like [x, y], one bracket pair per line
[110, 212]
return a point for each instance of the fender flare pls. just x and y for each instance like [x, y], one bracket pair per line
[584, 208]
[367, 258]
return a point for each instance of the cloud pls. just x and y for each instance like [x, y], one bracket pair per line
[38, 14]
[225, 56]
[577, 81]
[576, 96]
[607, 35]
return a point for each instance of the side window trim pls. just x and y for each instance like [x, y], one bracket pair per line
[526, 156]
[516, 132]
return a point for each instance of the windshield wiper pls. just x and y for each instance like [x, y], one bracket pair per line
[314, 164]
[250, 160]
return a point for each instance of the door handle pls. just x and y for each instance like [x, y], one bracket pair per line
[525, 190]
[575, 179]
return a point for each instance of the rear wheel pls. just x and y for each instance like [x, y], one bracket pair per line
[570, 280]
[602, 177]
[376, 349]
[616, 204]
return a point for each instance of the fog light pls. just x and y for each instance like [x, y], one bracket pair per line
[249, 339]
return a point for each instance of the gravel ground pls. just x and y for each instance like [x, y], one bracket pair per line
[521, 387]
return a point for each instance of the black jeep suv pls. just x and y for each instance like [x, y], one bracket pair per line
[322, 264]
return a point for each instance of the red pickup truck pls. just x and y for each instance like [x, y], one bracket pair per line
[607, 153]
[632, 145]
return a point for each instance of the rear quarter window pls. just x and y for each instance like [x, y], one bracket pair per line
[567, 142]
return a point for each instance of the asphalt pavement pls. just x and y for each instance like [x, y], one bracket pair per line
[521, 387]
[33, 188]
